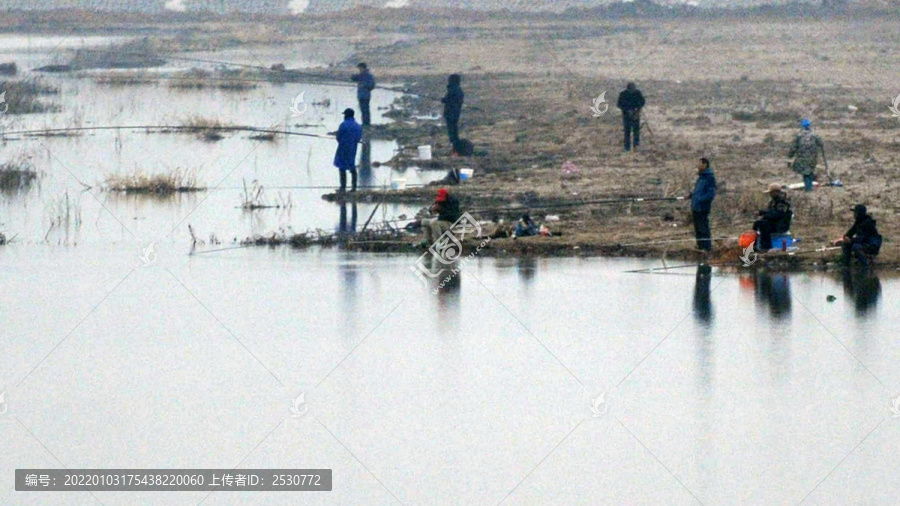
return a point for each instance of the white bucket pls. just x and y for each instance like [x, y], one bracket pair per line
[466, 174]
[398, 184]
[424, 152]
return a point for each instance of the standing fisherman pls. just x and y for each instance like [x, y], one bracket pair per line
[631, 101]
[453, 104]
[701, 203]
[348, 136]
[805, 153]
[365, 83]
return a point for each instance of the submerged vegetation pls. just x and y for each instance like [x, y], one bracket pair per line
[65, 216]
[254, 198]
[177, 181]
[209, 129]
[16, 175]
[23, 97]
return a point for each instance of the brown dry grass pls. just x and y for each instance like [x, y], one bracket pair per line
[176, 181]
[733, 90]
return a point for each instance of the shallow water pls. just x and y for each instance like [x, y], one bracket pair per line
[286, 167]
[718, 387]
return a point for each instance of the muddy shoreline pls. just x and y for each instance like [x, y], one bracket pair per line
[489, 197]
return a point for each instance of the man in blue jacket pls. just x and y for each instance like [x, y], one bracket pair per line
[348, 136]
[701, 203]
[365, 83]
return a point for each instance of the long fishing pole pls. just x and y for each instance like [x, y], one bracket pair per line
[165, 127]
[324, 79]
[671, 241]
[580, 203]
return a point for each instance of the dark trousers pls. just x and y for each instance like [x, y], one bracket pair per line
[364, 110]
[765, 229]
[453, 131]
[632, 127]
[701, 230]
[859, 251]
[344, 179]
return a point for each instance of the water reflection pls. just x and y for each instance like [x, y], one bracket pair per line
[863, 287]
[704, 315]
[526, 267]
[774, 291]
[447, 288]
[703, 311]
[365, 164]
[347, 228]
[349, 297]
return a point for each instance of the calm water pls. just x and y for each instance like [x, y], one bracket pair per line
[718, 387]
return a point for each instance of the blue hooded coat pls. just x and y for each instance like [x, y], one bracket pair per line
[704, 192]
[348, 136]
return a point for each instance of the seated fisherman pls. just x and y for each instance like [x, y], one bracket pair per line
[446, 212]
[526, 227]
[862, 239]
[776, 219]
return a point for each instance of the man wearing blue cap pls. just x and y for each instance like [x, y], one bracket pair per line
[805, 153]
[348, 136]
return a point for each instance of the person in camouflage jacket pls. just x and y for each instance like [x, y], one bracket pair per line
[805, 152]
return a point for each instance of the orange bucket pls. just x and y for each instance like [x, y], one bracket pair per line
[747, 238]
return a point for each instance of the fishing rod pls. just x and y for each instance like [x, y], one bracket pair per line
[671, 241]
[414, 185]
[164, 127]
[331, 81]
[581, 203]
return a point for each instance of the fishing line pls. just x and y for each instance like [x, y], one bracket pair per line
[331, 81]
[166, 127]
[580, 203]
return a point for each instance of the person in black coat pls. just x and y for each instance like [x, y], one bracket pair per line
[862, 239]
[631, 101]
[776, 219]
[453, 104]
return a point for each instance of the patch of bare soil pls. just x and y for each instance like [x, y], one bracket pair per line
[734, 91]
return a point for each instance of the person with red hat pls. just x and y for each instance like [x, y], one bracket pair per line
[446, 212]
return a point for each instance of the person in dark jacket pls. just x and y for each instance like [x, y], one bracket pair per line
[445, 211]
[348, 136]
[701, 203]
[776, 219]
[631, 101]
[862, 239]
[453, 104]
[526, 227]
[365, 83]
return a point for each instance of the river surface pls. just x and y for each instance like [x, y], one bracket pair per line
[522, 381]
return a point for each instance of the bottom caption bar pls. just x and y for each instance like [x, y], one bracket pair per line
[173, 480]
